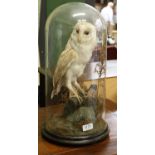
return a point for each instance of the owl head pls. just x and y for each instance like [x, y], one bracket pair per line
[84, 33]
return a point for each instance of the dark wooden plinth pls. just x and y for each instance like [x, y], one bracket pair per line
[75, 141]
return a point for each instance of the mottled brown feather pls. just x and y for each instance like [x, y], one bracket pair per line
[66, 58]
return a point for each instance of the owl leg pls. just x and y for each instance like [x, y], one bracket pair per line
[76, 84]
[72, 90]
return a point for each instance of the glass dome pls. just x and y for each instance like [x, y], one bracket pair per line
[75, 75]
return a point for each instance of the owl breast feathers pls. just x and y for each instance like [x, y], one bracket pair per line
[73, 59]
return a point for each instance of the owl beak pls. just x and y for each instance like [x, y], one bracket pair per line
[79, 39]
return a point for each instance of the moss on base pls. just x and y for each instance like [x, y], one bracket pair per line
[75, 116]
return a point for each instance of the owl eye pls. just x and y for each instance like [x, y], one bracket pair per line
[77, 30]
[86, 32]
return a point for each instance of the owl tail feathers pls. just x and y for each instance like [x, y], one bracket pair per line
[55, 92]
[52, 94]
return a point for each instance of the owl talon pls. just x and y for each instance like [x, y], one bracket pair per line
[83, 95]
[80, 100]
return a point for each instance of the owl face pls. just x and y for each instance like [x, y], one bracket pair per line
[84, 33]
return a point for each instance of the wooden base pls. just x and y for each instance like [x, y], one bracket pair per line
[75, 141]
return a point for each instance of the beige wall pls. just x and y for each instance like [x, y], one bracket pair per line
[111, 89]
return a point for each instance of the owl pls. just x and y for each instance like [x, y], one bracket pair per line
[72, 61]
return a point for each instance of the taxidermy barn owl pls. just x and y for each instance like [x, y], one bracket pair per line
[72, 61]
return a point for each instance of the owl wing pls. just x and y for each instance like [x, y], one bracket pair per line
[66, 58]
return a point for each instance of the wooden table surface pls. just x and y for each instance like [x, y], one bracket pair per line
[105, 147]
